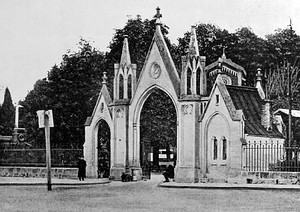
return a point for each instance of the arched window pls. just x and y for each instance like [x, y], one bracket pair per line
[224, 148]
[215, 148]
[129, 91]
[198, 81]
[189, 81]
[121, 86]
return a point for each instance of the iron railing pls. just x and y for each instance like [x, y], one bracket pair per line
[37, 157]
[270, 156]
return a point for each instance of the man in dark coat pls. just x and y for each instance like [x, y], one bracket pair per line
[169, 173]
[81, 164]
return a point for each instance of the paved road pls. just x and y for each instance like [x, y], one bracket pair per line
[143, 196]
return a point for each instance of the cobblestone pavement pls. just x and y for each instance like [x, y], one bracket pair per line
[143, 196]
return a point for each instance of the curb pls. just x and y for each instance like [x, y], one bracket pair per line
[53, 183]
[233, 187]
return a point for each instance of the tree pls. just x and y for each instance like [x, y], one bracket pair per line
[242, 47]
[283, 44]
[7, 114]
[140, 33]
[70, 90]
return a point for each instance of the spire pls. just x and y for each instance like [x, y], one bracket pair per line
[125, 57]
[157, 17]
[193, 47]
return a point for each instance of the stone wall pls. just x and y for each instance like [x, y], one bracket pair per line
[38, 172]
[271, 177]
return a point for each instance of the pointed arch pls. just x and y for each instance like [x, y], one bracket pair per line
[188, 81]
[198, 81]
[121, 86]
[217, 139]
[129, 87]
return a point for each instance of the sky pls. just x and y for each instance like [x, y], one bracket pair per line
[34, 34]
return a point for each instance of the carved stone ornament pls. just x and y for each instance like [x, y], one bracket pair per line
[187, 109]
[102, 107]
[155, 71]
[226, 80]
[119, 113]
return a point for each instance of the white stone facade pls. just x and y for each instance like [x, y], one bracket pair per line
[210, 126]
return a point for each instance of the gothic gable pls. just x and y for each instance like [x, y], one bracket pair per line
[223, 96]
[101, 108]
[159, 65]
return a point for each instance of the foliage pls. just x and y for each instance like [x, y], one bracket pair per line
[140, 33]
[242, 47]
[158, 123]
[277, 86]
[71, 91]
[7, 114]
[71, 88]
[283, 44]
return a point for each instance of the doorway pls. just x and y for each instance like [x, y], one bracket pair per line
[103, 148]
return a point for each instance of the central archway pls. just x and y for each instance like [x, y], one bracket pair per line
[158, 132]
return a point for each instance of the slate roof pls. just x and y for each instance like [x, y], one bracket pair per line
[248, 100]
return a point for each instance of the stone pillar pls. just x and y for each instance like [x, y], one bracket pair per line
[188, 165]
[120, 141]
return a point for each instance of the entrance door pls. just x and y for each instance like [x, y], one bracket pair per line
[217, 147]
[103, 150]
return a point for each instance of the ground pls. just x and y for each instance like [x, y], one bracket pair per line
[143, 196]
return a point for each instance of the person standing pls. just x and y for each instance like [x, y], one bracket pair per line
[81, 164]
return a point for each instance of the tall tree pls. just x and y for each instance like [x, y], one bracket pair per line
[71, 91]
[7, 112]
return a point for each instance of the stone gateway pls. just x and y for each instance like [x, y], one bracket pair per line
[211, 127]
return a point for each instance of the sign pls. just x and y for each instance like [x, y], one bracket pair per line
[49, 113]
[41, 118]
[45, 119]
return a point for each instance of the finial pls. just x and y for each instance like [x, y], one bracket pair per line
[157, 16]
[258, 84]
[220, 65]
[104, 78]
[223, 55]
[258, 75]
[193, 47]
[125, 57]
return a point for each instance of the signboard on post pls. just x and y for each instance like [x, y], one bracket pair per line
[45, 119]
[41, 118]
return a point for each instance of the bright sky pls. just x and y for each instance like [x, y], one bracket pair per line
[34, 34]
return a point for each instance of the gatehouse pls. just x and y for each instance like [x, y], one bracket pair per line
[212, 127]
